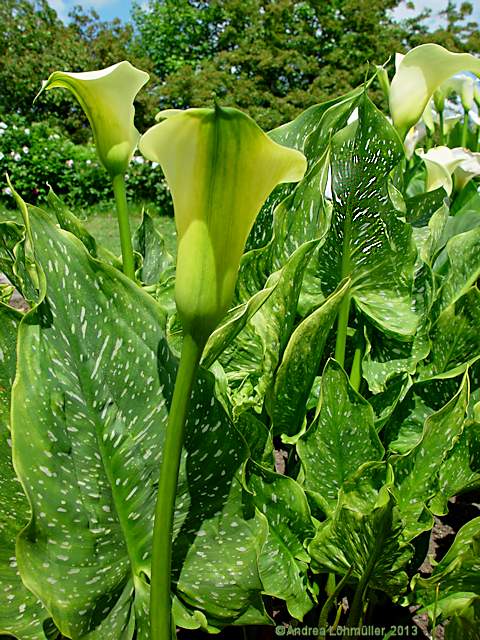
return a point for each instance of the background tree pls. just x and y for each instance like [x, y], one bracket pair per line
[271, 58]
[34, 42]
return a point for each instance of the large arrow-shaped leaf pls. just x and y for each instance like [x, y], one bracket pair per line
[90, 404]
[341, 439]
[416, 473]
[21, 613]
[367, 241]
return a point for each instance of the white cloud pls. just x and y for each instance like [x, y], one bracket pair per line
[61, 7]
[402, 12]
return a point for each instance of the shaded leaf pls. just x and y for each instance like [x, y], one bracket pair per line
[284, 505]
[364, 534]
[455, 336]
[455, 580]
[21, 613]
[148, 242]
[251, 359]
[299, 365]
[416, 472]
[340, 440]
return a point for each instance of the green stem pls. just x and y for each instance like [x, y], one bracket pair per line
[160, 600]
[330, 601]
[442, 137]
[465, 129]
[124, 226]
[357, 604]
[342, 327]
[356, 370]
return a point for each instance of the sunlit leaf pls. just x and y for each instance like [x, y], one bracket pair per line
[367, 242]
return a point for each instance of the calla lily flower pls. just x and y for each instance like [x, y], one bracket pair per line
[415, 135]
[107, 98]
[463, 86]
[220, 167]
[476, 93]
[441, 163]
[419, 74]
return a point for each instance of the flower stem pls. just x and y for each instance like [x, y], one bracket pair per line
[465, 130]
[356, 370]
[160, 599]
[440, 117]
[124, 225]
[342, 327]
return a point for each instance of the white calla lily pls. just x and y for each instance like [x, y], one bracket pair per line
[220, 167]
[467, 169]
[463, 86]
[107, 96]
[419, 74]
[442, 163]
[415, 135]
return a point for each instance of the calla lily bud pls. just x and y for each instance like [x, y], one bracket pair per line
[419, 74]
[220, 167]
[107, 96]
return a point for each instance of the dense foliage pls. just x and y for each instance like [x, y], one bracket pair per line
[271, 59]
[40, 157]
[352, 353]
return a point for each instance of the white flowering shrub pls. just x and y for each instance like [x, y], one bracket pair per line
[39, 156]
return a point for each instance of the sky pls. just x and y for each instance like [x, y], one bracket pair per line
[435, 6]
[109, 9]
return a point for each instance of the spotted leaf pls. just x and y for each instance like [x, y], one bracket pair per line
[90, 404]
[21, 613]
[416, 472]
[340, 440]
[367, 242]
[301, 359]
[364, 534]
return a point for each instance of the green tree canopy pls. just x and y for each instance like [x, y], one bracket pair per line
[34, 42]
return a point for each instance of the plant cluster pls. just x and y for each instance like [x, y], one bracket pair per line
[40, 157]
[324, 307]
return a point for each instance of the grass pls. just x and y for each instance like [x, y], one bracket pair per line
[101, 222]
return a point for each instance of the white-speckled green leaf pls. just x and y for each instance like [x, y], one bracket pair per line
[21, 613]
[341, 439]
[460, 471]
[309, 133]
[251, 359]
[455, 580]
[284, 506]
[455, 336]
[13, 261]
[235, 320]
[148, 242]
[299, 365]
[364, 534]
[463, 624]
[367, 241]
[462, 268]
[416, 472]
[385, 355]
[385, 403]
[90, 405]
